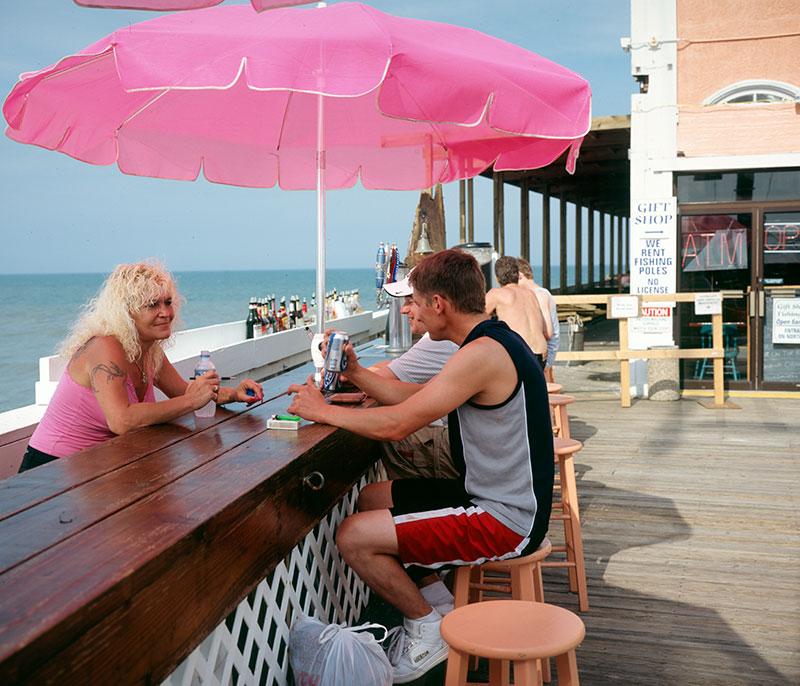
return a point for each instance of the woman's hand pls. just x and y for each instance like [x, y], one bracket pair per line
[308, 402]
[202, 389]
[240, 394]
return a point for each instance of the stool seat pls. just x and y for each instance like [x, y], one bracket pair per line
[566, 446]
[558, 399]
[512, 630]
[523, 560]
[554, 387]
[558, 411]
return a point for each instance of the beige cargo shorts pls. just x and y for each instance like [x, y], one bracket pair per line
[423, 454]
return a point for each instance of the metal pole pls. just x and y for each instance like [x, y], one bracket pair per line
[320, 214]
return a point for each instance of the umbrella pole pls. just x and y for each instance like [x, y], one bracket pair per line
[316, 341]
[320, 216]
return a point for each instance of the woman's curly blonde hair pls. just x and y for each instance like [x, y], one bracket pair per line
[129, 288]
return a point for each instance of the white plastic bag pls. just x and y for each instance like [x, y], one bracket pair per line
[337, 655]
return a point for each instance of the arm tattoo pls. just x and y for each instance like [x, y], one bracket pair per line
[111, 371]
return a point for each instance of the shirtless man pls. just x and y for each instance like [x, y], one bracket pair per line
[518, 307]
[549, 312]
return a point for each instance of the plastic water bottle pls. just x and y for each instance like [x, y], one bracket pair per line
[205, 365]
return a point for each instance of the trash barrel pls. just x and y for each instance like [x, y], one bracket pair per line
[663, 376]
[572, 332]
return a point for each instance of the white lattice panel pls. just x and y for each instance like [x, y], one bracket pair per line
[250, 646]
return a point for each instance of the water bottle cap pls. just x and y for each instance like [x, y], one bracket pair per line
[205, 353]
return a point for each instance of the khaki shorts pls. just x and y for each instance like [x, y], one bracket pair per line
[423, 454]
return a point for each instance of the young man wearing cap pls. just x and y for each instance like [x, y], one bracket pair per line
[500, 434]
[424, 453]
[518, 307]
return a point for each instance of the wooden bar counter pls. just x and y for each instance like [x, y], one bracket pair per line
[115, 563]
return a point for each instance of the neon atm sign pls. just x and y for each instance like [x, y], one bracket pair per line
[704, 251]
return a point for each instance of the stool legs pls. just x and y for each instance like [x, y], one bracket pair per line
[567, 667]
[457, 667]
[561, 421]
[461, 586]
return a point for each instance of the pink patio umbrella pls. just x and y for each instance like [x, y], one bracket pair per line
[172, 5]
[303, 98]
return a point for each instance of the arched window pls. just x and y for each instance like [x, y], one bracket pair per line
[759, 92]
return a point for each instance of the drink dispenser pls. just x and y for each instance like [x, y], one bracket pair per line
[398, 330]
[484, 254]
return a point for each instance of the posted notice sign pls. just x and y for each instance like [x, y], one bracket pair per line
[653, 236]
[786, 320]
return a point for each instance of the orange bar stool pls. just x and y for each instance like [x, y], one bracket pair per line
[567, 511]
[524, 580]
[554, 387]
[521, 577]
[558, 408]
[512, 631]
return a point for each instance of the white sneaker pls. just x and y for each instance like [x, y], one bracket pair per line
[416, 648]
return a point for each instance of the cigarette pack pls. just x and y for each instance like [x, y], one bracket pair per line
[283, 424]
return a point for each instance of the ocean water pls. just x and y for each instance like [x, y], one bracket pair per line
[37, 310]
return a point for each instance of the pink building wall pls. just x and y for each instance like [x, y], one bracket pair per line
[724, 42]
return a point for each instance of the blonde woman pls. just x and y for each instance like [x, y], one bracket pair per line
[116, 359]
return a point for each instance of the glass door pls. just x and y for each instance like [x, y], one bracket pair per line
[775, 302]
[716, 254]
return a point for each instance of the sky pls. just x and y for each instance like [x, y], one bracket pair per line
[61, 215]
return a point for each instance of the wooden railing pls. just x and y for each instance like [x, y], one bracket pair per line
[624, 354]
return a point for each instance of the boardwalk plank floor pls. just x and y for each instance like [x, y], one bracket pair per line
[692, 539]
[692, 542]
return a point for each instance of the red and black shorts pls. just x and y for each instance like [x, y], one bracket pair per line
[438, 525]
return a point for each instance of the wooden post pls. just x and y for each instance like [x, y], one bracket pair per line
[462, 211]
[590, 265]
[624, 366]
[470, 211]
[612, 220]
[627, 252]
[499, 211]
[546, 238]
[578, 242]
[524, 220]
[602, 241]
[620, 267]
[562, 243]
[495, 209]
[719, 362]
[501, 218]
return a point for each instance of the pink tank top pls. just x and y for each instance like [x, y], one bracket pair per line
[73, 419]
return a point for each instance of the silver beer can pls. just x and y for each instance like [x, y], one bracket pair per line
[335, 360]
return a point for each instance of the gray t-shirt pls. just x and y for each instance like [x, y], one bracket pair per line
[422, 362]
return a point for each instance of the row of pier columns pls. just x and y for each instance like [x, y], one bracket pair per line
[609, 248]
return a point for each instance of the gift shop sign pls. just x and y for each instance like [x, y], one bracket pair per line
[653, 268]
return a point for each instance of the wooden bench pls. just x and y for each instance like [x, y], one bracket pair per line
[118, 561]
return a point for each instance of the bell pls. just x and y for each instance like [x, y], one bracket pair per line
[423, 244]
